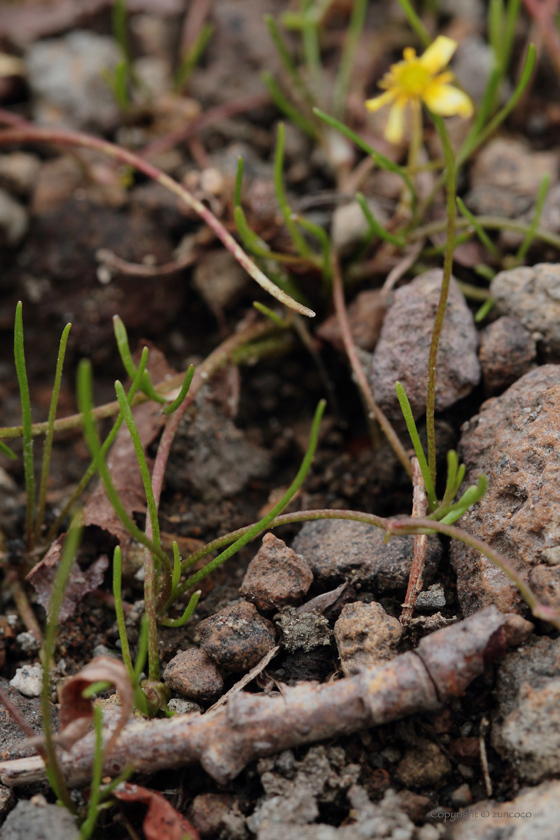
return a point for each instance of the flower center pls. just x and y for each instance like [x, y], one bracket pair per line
[411, 77]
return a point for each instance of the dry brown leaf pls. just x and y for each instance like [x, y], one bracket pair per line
[80, 582]
[162, 822]
[76, 712]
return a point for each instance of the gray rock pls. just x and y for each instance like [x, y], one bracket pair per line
[303, 631]
[507, 352]
[211, 456]
[349, 225]
[28, 680]
[514, 441]
[191, 673]
[365, 316]
[526, 725]
[532, 295]
[431, 599]
[13, 220]
[403, 348]
[66, 78]
[36, 820]
[276, 575]
[472, 64]
[540, 805]
[423, 764]
[219, 279]
[337, 549]
[7, 801]
[19, 172]
[509, 164]
[183, 707]
[365, 636]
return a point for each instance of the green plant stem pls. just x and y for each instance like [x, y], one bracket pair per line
[28, 467]
[288, 108]
[416, 443]
[88, 825]
[287, 62]
[13, 581]
[187, 615]
[68, 555]
[488, 222]
[358, 371]
[47, 449]
[444, 294]
[266, 520]
[311, 50]
[479, 230]
[415, 22]
[32, 134]
[140, 697]
[169, 409]
[300, 244]
[530, 235]
[353, 35]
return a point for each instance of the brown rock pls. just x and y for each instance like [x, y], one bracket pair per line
[514, 441]
[237, 637]
[276, 576]
[532, 295]
[303, 631]
[403, 348]
[365, 314]
[337, 549]
[207, 812]
[365, 636]
[544, 580]
[516, 820]
[424, 764]
[509, 164]
[466, 750]
[194, 675]
[507, 352]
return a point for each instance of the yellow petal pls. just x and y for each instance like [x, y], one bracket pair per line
[438, 54]
[447, 100]
[379, 101]
[395, 126]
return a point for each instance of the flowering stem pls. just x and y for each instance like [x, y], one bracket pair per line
[451, 175]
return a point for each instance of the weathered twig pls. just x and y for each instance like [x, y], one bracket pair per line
[255, 725]
[415, 578]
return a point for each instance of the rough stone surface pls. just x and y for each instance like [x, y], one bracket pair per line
[431, 599]
[365, 316]
[36, 820]
[423, 764]
[12, 739]
[237, 637]
[532, 295]
[183, 707]
[303, 631]
[350, 226]
[7, 802]
[28, 680]
[194, 675]
[66, 78]
[207, 812]
[219, 279]
[276, 576]
[338, 549]
[504, 819]
[403, 348]
[13, 220]
[507, 352]
[365, 636]
[526, 726]
[211, 456]
[514, 441]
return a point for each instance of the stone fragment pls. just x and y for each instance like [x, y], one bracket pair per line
[207, 811]
[7, 802]
[211, 457]
[183, 707]
[526, 725]
[544, 580]
[532, 295]
[219, 279]
[66, 79]
[431, 599]
[507, 352]
[337, 549]
[19, 171]
[191, 673]
[12, 740]
[303, 631]
[28, 680]
[423, 764]
[514, 441]
[13, 220]
[237, 637]
[472, 64]
[276, 576]
[349, 225]
[37, 820]
[403, 347]
[365, 636]
[365, 315]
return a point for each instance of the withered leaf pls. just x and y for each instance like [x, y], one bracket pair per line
[162, 822]
[76, 712]
[80, 582]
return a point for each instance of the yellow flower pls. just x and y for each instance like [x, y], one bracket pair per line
[416, 80]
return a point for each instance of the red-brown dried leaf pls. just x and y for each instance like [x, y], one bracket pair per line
[162, 822]
[123, 464]
[80, 582]
[76, 712]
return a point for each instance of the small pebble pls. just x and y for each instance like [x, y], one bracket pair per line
[184, 707]
[462, 796]
[194, 675]
[28, 680]
[207, 812]
[303, 631]
[507, 352]
[365, 316]
[27, 641]
[423, 764]
[237, 637]
[365, 636]
[37, 820]
[7, 801]
[276, 576]
[432, 598]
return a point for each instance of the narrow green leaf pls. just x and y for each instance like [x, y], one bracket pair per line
[416, 443]
[28, 468]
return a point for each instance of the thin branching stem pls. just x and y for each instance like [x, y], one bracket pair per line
[28, 466]
[357, 369]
